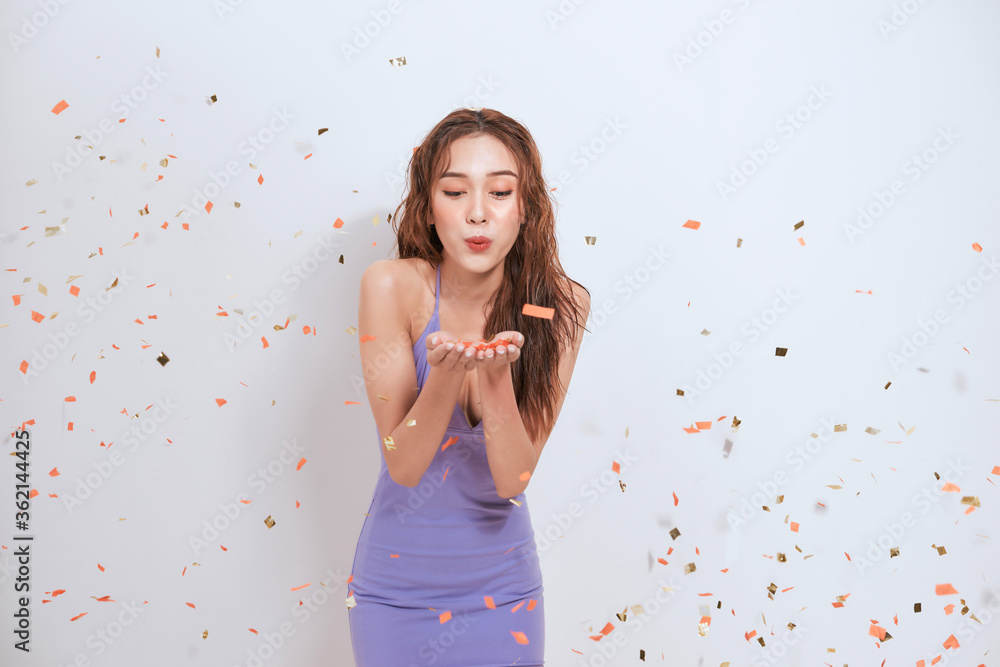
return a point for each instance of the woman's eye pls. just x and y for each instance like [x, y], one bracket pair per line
[452, 194]
[503, 194]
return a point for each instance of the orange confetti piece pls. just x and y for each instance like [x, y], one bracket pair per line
[448, 443]
[524, 476]
[531, 604]
[848, 555]
[223, 548]
[948, 609]
[977, 247]
[93, 376]
[945, 589]
[54, 472]
[750, 635]
[299, 588]
[253, 631]
[951, 642]
[338, 223]
[488, 601]
[308, 156]
[675, 499]
[208, 207]
[517, 606]
[184, 571]
[37, 317]
[691, 224]
[366, 338]
[795, 526]
[190, 605]
[519, 637]
[615, 467]
[220, 402]
[996, 470]
[58, 109]
[260, 179]
[100, 567]
[446, 474]
[703, 426]
[445, 616]
[948, 486]
[79, 616]
[532, 310]
[876, 631]
[302, 462]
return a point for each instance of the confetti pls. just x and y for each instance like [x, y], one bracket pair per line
[59, 108]
[269, 522]
[538, 311]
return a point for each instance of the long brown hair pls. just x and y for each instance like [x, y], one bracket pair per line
[532, 271]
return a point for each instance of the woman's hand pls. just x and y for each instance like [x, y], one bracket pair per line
[447, 352]
[503, 349]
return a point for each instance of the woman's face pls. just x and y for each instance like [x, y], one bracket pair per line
[477, 197]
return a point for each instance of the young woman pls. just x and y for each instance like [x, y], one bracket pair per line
[445, 569]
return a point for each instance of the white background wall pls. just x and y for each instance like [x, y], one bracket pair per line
[886, 83]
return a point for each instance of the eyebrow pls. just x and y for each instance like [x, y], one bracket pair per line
[455, 174]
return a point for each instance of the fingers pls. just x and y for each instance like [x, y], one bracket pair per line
[452, 355]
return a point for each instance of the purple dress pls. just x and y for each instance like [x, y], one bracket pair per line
[442, 547]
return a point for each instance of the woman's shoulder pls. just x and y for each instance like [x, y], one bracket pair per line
[408, 277]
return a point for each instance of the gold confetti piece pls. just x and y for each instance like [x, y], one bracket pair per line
[780, 351]
[31, 182]
[591, 240]
[839, 428]
[674, 533]
[689, 568]
[706, 332]
[204, 635]
[351, 602]
[163, 359]
[411, 422]
[780, 499]
[322, 130]
[971, 500]
[516, 502]
[397, 62]
[872, 430]
[389, 443]
[58, 230]
[798, 225]
[835, 486]
[916, 607]
[157, 52]
[893, 552]
[941, 551]
[269, 522]
[351, 330]
[214, 99]
[236, 204]
[781, 557]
